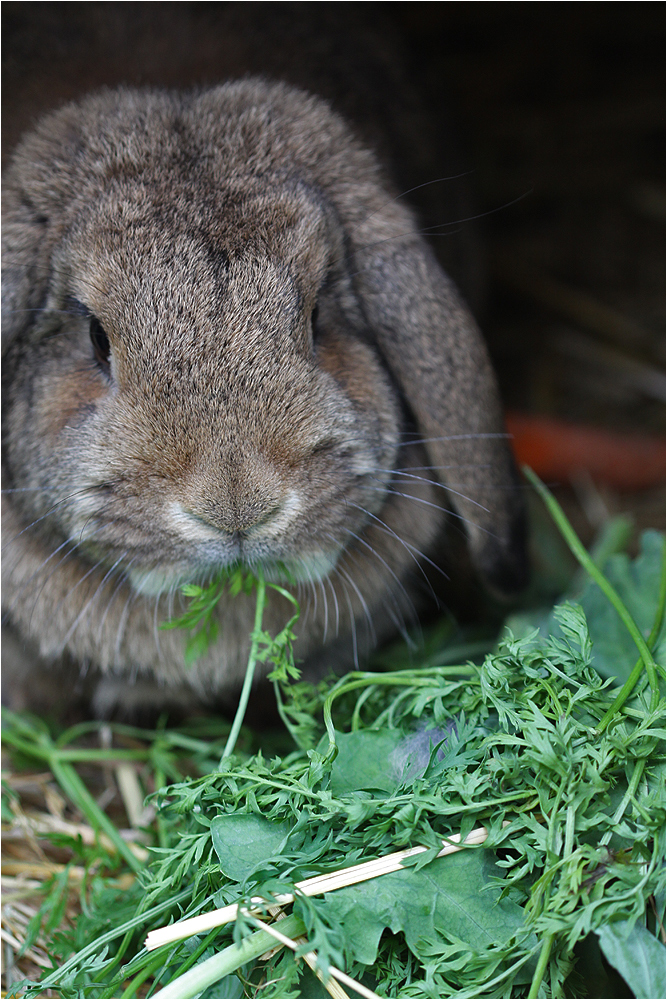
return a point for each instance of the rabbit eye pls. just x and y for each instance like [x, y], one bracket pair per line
[100, 343]
[313, 319]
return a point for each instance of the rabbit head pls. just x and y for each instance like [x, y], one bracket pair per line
[225, 341]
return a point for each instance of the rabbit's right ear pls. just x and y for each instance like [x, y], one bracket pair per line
[38, 186]
[437, 356]
[25, 264]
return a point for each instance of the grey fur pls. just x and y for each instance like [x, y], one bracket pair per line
[202, 229]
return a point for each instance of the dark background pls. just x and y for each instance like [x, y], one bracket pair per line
[555, 111]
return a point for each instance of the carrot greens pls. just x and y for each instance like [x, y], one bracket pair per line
[551, 745]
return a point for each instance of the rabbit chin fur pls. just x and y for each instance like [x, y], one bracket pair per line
[277, 335]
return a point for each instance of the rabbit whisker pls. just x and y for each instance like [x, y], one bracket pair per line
[119, 636]
[431, 230]
[427, 503]
[436, 468]
[404, 194]
[325, 604]
[335, 600]
[123, 578]
[353, 621]
[78, 583]
[377, 555]
[32, 489]
[311, 604]
[98, 591]
[156, 630]
[494, 435]
[410, 549]
[36, 572]
[447, 487]
[397, 617]
[362, 600]
[71, 498]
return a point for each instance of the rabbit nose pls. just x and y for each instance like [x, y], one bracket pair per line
[242, 497]
[236, 518]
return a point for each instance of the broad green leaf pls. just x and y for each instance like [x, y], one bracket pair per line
[243, 840]
[638, 583]
[363, 761]
[453, 896]
[638, 956]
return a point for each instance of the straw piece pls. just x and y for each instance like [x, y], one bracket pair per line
[42, 871]
[127, 780]
[311, 958]
[332, 986]
[309, 887]
[38, 824]
[29, 953]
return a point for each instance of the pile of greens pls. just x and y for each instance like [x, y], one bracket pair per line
[554, 743]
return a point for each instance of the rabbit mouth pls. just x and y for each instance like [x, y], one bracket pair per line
[165, 579]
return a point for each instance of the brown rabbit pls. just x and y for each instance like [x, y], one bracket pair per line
[225, 340]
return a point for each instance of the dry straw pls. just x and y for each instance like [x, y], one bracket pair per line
[309, 887]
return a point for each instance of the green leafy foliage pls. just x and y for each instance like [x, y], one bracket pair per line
[199, 619]
[244, 842]
[459, 897]
[638, 583]
[638, 956]
[575, 813]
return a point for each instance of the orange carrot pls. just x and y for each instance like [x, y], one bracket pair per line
[558, 450]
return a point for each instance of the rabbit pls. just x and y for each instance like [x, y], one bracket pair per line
[225, 341]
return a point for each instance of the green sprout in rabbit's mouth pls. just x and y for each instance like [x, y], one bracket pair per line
[200, 621]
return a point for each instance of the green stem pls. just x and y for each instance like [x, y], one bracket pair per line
[228, 960]
[638, 669]
[355, 722]
[541, 966]
[142, 976]
[73, 786]
[395, 678]
[201, 948]
[588, 564]
[250, 669]
[627, 798]
[102, 756]
[30, 749]
[291, 729]
[146, 917]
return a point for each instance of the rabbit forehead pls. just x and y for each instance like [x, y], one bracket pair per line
[130, 242]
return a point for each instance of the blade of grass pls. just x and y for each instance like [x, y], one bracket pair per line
[43, 747]
[225, 962]
[638, 668]
[73, 786]
[605, 586]
[541, 966]
[141, 977]
[311, 958]
[250, 669]
[51, 982]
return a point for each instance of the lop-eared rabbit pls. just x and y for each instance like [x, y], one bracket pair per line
[225, 340]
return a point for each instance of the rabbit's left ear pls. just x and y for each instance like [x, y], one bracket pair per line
[436, 353]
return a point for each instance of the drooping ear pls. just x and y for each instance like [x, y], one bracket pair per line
[38, 184]
[25, 267]
[432, 345]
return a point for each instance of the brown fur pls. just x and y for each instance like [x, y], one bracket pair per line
[202, 230]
